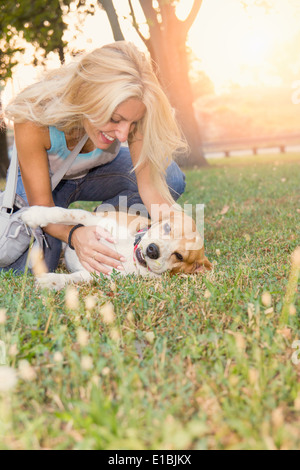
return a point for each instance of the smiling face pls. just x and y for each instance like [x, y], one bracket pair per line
[174, 245]
[122, 122]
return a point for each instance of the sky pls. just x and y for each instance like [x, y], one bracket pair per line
[236, 44]
[233, 44]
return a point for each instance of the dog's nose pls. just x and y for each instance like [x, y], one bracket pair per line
[152, 251]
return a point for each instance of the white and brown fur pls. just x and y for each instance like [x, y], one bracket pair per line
[172, 244]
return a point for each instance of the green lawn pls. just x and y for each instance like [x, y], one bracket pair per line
[175, 363]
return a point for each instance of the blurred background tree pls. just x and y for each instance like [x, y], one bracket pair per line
[108, 6]
[235, 87]
[166, 43]
[41, 24]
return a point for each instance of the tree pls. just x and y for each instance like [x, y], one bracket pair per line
[7, 52]
[201, 84]
[108, 6]
[166, 43]
[40, 23]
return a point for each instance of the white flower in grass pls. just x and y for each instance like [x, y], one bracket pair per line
[113, 286]
[277, 417]
[115, 335]
[86, 363]
[8, 378]
[253, 376]
[26, 371]
[95, 380]
[107, 312]
[130, 316]
[292, 310]
[207, 294]
[37, 260]
[250, 310]
[268, 311]
[2, 316]
[105, 371]
[71, 298]
[58, 357]
[13, 350]
[296, 257]
[82, 337]
[240, 342]
[266, 299]
[90, 302]
[150, 337]
[297, 403]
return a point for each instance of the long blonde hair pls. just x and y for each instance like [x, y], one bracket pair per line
[92, 87]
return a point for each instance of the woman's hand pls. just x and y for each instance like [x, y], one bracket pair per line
[92, 253]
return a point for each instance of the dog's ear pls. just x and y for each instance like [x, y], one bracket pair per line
[202, 266]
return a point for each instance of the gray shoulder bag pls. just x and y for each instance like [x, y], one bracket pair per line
[15, 236]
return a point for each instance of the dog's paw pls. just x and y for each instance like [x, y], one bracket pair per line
[35, 217]
[54, 281]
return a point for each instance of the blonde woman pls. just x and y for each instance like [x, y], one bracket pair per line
[112, 95]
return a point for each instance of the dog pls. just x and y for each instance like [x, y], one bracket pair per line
[170, 244]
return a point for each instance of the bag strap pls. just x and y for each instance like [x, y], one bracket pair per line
[11, 183]
[62, 170]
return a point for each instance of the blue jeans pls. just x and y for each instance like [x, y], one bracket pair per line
[104, 183]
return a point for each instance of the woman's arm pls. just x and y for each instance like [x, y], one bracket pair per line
[32, 142]
[148, 192]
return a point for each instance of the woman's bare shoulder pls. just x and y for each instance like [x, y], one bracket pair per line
[29, 133]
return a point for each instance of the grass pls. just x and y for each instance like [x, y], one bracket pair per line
[180, 363]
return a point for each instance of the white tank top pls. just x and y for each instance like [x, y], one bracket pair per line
[83, 162]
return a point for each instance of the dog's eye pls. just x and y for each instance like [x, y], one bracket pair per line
[167, 229]
[178, 256]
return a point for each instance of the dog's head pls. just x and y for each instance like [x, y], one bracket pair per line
[173, 244]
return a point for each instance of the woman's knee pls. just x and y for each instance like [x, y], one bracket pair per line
[52, 252]
[175, 178]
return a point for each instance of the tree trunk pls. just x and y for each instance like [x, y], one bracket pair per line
[4, 161]
[167, 46]
[174, 67]
[61, 53]
[113, 19]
